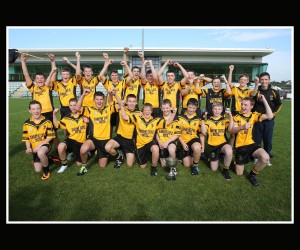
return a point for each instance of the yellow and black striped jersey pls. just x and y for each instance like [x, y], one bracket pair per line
[214, 96]
[192, 93]
[151, 94]
[133, 87]
[75, 127]
[244, 137]
[216, 130]
[169, 131]
[99, 124]
[35, 133]
[89, 84]
[171, 92]
[126, 129]
[42, 94]
[189, 127]
[119, 86]
[145, 129]
[66, 91]
[238, 94]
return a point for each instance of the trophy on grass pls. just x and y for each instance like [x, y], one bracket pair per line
[171, 163]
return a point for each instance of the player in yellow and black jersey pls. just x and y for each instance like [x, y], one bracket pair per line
[38, 134]
[76, 128]
[146, 127]
[151, 88]
[246, 148]
[192, 89]
[192, 145]
[40, 92]
[125, 134]
[170, 88]
[87, 82]
[215, 94]
[215, 127]
[99, 128]
[114, 83]
[238, 93]
[167, 137]
[134, 85]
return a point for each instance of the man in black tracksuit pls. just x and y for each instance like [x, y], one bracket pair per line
[263, 131]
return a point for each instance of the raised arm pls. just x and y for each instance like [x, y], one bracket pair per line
[205, 78]
[49, 78]
[121, 103]
[55, 122]
[254, 91]
[171, 117]
[78, 70]
[228, 112]
[228, 88]
[80, 100]
[111, 92]
[125, 50]
[24, 57]
[130, 75]
[154, 74]
[143, 72]
[66, 60]
[269, 114]
[161, 70]
[53, 66]
[185, 74]
[141, 55]
[231, 68]
[107, 62]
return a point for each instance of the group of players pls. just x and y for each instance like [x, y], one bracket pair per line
[158, 128]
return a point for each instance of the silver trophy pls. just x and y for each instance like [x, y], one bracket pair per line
[171, 163]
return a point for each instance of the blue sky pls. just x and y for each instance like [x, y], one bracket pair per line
[278, 38]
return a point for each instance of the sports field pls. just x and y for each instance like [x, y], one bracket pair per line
[132, 195]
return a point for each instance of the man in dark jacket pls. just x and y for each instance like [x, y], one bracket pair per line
[263, 131]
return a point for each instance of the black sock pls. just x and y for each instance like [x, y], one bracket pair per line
[252, 173]
[153, 166]
[46, 170]
[225, 169]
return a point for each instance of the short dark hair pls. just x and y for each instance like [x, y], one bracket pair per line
[193, 101]
[264, 74]
[99, 93]
[33, 102]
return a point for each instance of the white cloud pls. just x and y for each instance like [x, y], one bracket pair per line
[246, 36]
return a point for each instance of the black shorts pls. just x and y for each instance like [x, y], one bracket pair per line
[190, 151]
[35, 156]
[214, 151]
[128, 145]
[100, 147]
[64, 111]
[164, 153]
[142, 152]
[243, 154]
[73, 146]
[113, 119]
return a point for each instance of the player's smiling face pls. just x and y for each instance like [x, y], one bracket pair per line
[40, 80]
[131, 103]
[35, 110]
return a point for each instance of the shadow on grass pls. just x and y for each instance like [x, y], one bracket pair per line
[32, 204]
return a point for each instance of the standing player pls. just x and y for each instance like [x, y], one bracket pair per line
[40, 92]
[38, 134]
[170, 88]
[151, 88]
